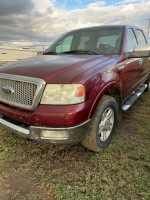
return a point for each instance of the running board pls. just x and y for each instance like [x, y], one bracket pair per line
[133, 98]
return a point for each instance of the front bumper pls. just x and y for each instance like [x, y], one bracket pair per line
[75, 134]
[50, 115]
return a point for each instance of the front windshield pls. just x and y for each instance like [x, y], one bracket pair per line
[103, 40]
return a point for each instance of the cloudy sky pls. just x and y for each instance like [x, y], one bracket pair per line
[27, 22]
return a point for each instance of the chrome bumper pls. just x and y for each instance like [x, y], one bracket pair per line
[75, 134]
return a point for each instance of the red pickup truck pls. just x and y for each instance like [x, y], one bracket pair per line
[78, 89]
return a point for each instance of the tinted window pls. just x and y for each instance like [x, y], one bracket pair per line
[83, 41]
[104, 43]
[131, 41]
[64, 45]
[110, 40]
[140, 37]
[103, 40]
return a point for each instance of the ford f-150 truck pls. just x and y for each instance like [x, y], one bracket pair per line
[77, 90]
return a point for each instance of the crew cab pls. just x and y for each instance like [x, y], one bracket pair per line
[77, 90]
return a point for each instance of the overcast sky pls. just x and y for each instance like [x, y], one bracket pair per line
[27, 22]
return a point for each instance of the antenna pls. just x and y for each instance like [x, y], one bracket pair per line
[148, 29]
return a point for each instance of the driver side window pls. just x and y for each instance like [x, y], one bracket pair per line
[130, 41]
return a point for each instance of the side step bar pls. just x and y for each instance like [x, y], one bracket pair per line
[133, 98]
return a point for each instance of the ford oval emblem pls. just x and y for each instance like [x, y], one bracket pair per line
[8, 90]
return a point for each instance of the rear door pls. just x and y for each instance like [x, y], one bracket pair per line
[130, 72]
[145, 61]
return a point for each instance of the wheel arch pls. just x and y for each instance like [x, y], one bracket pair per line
[111, 89]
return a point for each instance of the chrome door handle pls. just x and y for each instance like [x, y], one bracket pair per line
[121, 68]
[140, 61]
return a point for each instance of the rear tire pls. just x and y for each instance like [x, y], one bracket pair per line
[102, 125]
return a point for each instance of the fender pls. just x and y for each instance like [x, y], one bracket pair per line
[110, 85]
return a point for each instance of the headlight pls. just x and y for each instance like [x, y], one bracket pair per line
[58, 94]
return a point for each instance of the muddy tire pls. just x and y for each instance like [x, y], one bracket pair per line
[102, 125]
[148, 85]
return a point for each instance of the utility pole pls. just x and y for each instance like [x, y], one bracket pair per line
[148, 30]
[31, 31]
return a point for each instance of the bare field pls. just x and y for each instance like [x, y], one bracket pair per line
[121, 171]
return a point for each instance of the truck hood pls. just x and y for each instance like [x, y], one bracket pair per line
[54, 68]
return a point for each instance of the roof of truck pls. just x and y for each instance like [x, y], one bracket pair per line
[97, 27]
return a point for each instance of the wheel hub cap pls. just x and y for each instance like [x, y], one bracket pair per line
[106, 124]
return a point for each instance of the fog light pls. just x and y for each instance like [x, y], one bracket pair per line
[54, 135]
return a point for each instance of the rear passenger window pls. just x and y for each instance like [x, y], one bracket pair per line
[140, 37]
[131, 41]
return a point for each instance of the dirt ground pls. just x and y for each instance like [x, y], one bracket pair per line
[19, 184]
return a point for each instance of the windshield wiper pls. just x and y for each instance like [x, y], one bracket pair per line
[84, 51]
[50, 53]
[72, 51]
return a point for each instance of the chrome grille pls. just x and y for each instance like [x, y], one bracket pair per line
[25, 92]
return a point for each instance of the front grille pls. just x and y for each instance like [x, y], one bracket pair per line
[24, 92]
[21, 91]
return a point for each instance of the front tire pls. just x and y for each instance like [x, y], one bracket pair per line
[102, 125]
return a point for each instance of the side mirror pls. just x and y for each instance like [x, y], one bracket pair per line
[140, 51]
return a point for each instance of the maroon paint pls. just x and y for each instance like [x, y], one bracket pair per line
[50, 115]
[54, 68]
